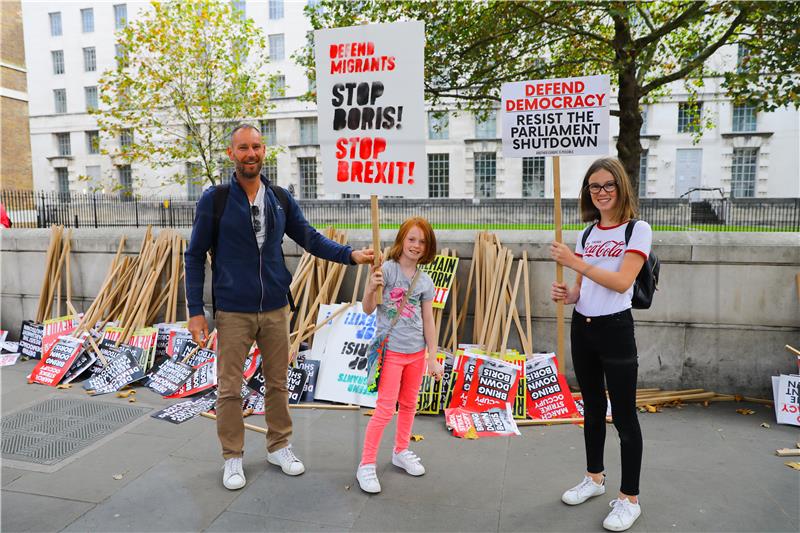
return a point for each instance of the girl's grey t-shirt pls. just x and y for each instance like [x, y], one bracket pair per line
[406, 335]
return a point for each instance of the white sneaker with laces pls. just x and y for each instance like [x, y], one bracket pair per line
[623, 514]
[287, 460]
[408, 461]
[583, 491]
[368, 479]
[233, 476]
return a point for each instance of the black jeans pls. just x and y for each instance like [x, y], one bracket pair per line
[604, 349]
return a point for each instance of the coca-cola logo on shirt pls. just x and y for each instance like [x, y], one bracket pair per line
[605, 249]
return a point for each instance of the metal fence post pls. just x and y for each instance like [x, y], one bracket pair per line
[94, 208]
[136, 209]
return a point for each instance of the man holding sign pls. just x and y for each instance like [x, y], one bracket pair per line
[243, 223]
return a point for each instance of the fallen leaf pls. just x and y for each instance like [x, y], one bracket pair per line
[347, 487]
[471, 434]
[793, 464]
[738, 397]
[705, 403]
[125, 394]
[118, 476]
[64, 386]
[417, 438]
[131, 400]
[651, 409]
[89, 392]
[764, 425]
[745, 411]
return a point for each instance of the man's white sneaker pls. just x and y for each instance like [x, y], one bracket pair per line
[622, 516]
[409, 462]
[368, 479]
[287, 460]
[233, 476]
[583, 491]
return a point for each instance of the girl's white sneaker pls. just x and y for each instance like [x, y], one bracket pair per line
[368, 479]
[408, 461]
[623, 514]
[583, 491]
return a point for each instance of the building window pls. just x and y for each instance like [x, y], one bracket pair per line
[438, 175]
[55, 24]
[93, 173]
[438, 125]
[89, 59]
[87, 20]
[126, 138]
[278, 88]
[275, 9]
[308, 177]
[744, 118]
[91, 97]
[64, 144]
[126, 182]
[312, 85]
[643, 174]
[58, 61]
[486, 128]
[350, 196]
[308, 130]
[93, 142]
[276, 48]
[120, 16]
[688, 116]
[269, 132]
[533, 177]
[194, 181]
[225, 169]
[485, 174]
[742, 57]
[62, 183]
[743, 172]
[271, 171]
[60, 97]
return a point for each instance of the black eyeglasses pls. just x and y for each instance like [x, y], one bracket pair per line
[256, 221]
[594, 188]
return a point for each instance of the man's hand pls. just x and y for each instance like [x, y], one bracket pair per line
[198, 327]
[363, 257]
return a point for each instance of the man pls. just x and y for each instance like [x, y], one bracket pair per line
[250, 284]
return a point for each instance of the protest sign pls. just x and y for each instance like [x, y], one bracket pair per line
[311, 367]
[186, 410]
[203, 378]
[177, 339]
[169, 377]
[342, 374]
[257, 381]
[85, 360]
[123, 369]
[9, 346]
[429, 399]
[254, 401]
[8, 359]
[494, 386]
[567, 116]
[492, 423]
[447, 381]
[786, 393]
[296, 379]
[55, 328]
[371, 109]
[442, 271]
[52, 367]
[200, 356]
[3, 335]
[252, 364]
[520, 407]
[30, 339]
[548, 393]
[113, 333]
[145, 338]
[462, 375]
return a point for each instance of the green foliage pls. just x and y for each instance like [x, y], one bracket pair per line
[473, 47]
[190, 71]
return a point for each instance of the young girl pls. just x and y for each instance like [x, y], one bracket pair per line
[411, 339]
[603, 343]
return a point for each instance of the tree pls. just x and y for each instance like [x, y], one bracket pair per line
[186, 71]
[475, 46]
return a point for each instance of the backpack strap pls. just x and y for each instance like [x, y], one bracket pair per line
[586, 233]
[282, 196]
[220, 201]
[629, 230]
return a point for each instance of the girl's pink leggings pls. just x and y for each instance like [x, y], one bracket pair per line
[401, 377]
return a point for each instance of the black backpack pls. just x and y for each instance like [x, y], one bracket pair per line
[220, 201]
[646, 283]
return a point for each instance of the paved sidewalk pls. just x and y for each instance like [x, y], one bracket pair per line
[705, 469]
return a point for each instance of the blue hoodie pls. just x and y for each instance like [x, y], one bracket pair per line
[244, 278]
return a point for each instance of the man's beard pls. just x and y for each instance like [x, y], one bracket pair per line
[242, 173]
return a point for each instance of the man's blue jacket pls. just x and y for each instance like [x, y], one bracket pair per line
[244, 278]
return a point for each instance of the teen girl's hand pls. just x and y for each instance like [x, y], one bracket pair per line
[561, 254]
[435, 368]
[375, 279]
[561, 292]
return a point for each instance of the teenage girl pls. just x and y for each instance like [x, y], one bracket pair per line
[411, 346]
[603, 343]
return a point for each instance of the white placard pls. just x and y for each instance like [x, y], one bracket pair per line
[370, 83]
[342, 374]
[558, 117]
[786, 392]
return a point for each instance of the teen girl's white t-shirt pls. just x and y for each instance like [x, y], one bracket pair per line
[605, 248]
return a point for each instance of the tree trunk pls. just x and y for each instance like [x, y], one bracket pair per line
[629, 147]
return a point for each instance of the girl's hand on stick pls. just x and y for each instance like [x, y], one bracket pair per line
[375, 279]
[435, 369]
[561, 254]
[558, 292]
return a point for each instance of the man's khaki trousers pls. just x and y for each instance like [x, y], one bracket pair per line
[236, 332]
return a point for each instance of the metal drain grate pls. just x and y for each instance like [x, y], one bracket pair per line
[53, 430]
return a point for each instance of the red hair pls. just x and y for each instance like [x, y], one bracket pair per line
[427, 232]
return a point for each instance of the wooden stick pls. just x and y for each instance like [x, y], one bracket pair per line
[520, 267]
[528, 346]
[356, 284]
[69, 277]
[324, 406]
[787, 452]
[46, 277]
[376, 241]
[680, 397]
[559, 268]
[553, 422]
[321, 325]
[793, 350]
[251, 427]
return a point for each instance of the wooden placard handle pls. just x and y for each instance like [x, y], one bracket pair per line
[376, 242]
